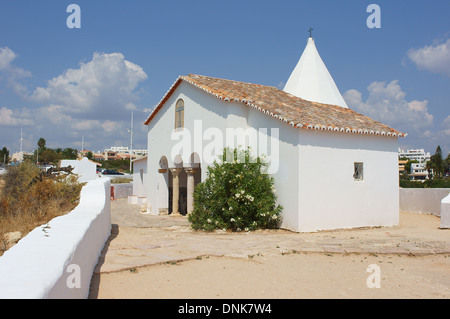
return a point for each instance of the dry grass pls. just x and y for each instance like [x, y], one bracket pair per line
[28, 200]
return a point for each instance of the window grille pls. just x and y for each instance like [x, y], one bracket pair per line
[358, 173]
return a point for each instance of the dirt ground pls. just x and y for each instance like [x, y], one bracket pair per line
[290, 276]
[411, 261]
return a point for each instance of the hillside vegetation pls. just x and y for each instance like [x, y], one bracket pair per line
[30, 198]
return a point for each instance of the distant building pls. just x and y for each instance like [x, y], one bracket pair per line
[19, 156]
[416, 154]
[418, 171]
[126, 150]
[118, 149]
[401, 166]
[98, 157]
[84, 168]
[84, 153]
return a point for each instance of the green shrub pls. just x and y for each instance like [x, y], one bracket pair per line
[429, 183]
[237, 195]
[119, 165]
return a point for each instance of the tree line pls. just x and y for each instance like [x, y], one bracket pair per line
[48, 155]
[42, 154]
[438, 164]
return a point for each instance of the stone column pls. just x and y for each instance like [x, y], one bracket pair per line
[175, 190]
[190, 171]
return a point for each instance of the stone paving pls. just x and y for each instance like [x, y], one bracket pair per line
[139, 240]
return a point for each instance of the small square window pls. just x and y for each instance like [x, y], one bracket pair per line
[358, 173]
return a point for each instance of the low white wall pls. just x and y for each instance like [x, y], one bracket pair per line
[122, 190]
[57, 260]
[445, 212]
[422, 200]
[85, 168]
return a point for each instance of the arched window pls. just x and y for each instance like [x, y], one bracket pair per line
[179, 114]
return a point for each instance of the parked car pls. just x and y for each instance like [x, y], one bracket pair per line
[111, 172]
[100, 170]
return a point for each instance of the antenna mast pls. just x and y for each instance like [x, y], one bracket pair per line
[131, 142]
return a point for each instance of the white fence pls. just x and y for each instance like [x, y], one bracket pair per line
[57, 260]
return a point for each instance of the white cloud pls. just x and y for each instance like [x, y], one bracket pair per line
[434, 58]
[13, 73]
[55, 114]
[8, 118]
[94, 100]
[86, 125]
[387, 103]
[102, 88]
[446, 126]
[6, 57]
[110, 126]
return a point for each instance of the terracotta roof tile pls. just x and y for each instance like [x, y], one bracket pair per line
[284, 106]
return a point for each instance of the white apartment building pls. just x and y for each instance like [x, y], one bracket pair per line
[417, 155]
[126, 150]
[418, 170]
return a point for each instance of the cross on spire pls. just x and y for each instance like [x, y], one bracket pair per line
[310, 31]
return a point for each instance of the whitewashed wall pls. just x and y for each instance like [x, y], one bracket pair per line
[42, 263]
[329, 196]
[422, 200]
[445, 212]
[86, 169]
[139, 177]
[286, 169]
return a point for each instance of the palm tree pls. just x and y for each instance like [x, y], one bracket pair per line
[41, 143]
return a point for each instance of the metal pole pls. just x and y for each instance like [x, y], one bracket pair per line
[131, 143]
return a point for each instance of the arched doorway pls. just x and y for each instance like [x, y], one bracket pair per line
[181, 181]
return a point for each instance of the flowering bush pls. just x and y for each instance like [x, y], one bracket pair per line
[236, 195]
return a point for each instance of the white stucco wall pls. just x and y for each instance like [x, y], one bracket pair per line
[422, 200]
[139, 177]
[286, 171]
[86, 169]
[314, 178]
[329, 196]
[445, 212]
[66, 250]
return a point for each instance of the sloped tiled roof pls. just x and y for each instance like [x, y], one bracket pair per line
[283, 106]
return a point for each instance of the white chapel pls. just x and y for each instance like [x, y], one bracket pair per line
[333, 167]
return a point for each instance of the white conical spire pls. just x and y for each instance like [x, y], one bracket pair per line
[311, 80]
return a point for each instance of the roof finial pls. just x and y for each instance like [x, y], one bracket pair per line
[310, 31]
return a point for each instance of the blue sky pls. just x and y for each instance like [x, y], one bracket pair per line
[62, 84]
